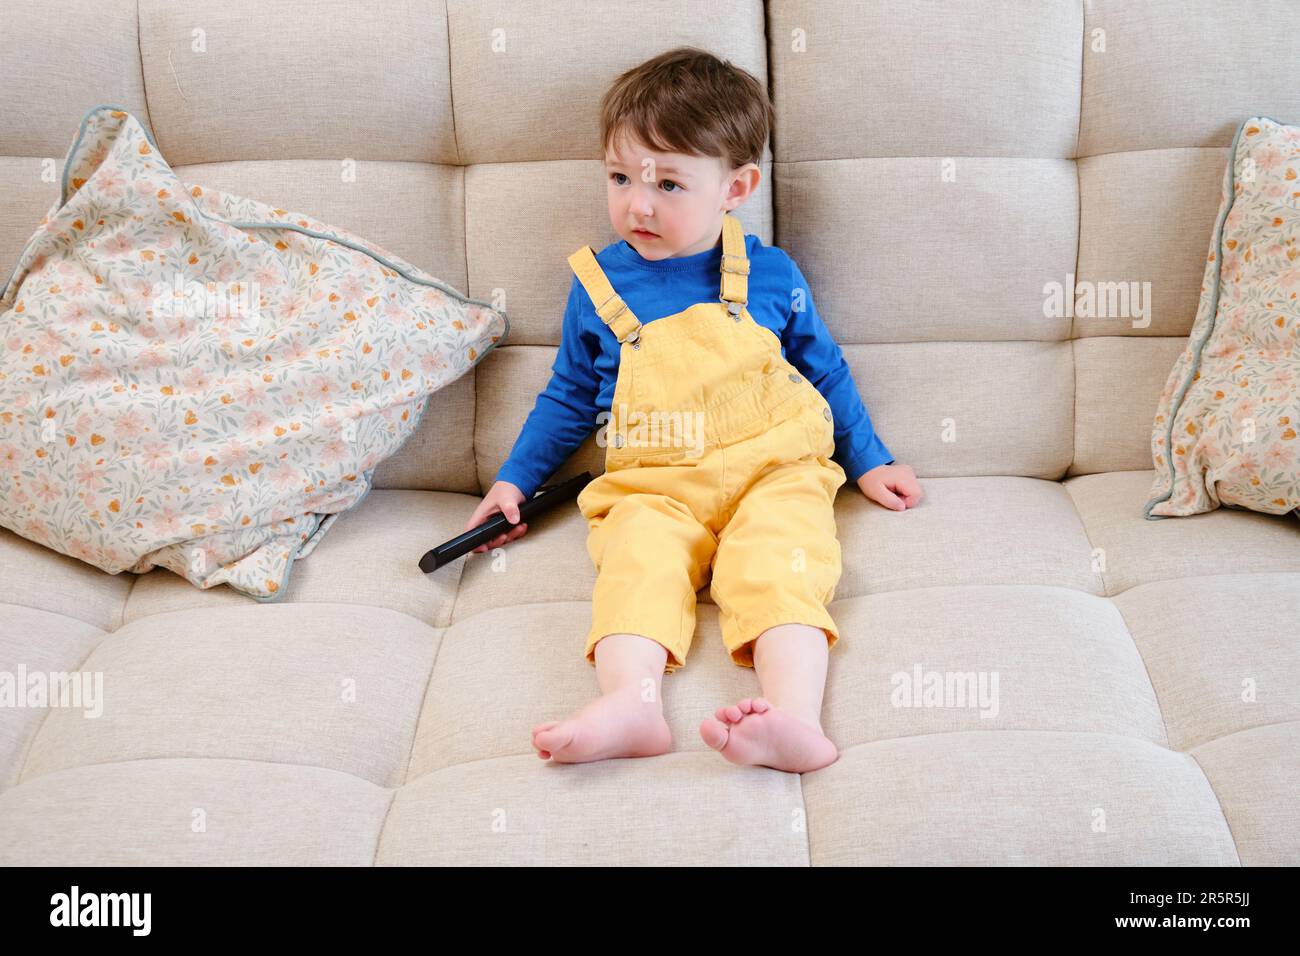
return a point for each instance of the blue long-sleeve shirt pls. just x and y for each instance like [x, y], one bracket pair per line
[586, 366]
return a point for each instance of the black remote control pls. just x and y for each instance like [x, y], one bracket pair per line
[547, 497]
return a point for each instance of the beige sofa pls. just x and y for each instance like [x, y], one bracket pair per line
[933, 167]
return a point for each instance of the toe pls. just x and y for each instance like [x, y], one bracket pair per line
[551, 739]
[715, 734]
[762, 704]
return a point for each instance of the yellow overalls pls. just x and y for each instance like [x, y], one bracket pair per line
[717, 461]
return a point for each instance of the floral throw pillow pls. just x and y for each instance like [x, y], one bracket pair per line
[1227, 428]
[200, 382]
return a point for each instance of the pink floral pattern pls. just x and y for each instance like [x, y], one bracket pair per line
[155, 413]
[1227, 427]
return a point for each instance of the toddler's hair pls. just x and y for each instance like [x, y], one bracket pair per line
[687, 100]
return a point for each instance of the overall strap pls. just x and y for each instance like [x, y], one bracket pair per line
[734, 265]
[611, 308]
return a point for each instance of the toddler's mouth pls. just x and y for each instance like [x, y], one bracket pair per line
[644, 234]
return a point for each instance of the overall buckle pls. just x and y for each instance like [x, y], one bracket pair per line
[622, 307]
[741, 268]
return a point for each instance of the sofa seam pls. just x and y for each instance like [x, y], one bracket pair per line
[464, 237]
[442, 636]
[284, 602]
[1146, 669]
[455, 143]
[460, 165]
[1083, 525]
[1017, 730]
[454, 622]
[932, 156]
[1074, 348]
[1083, 59]
[383, 825]
[884, 740]
[1078, 245]
[119, 618]
[927, 587]
[807, 829]
[1236, 848]
[139, 50]
[419, 714]
[455, 598]
[771, 135]
[511, 756]
[451, 91]
[21, 764]
[1244, 730]
[280, 763]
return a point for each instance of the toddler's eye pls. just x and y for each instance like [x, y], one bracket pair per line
[617, 176]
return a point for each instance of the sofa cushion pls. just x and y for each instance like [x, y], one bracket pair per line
[1227, 429]
[200, 382]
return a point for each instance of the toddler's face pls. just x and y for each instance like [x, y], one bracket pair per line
[679, 199]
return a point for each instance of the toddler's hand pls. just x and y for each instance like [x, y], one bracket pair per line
[503, 497]
[894, 486]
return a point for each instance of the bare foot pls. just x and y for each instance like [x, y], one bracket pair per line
[617, 724]
[755, 732]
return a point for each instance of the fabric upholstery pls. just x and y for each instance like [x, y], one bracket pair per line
[1147, 711]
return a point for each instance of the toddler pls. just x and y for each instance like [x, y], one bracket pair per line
[731, 421]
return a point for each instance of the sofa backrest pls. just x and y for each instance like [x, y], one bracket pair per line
[934, 167]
